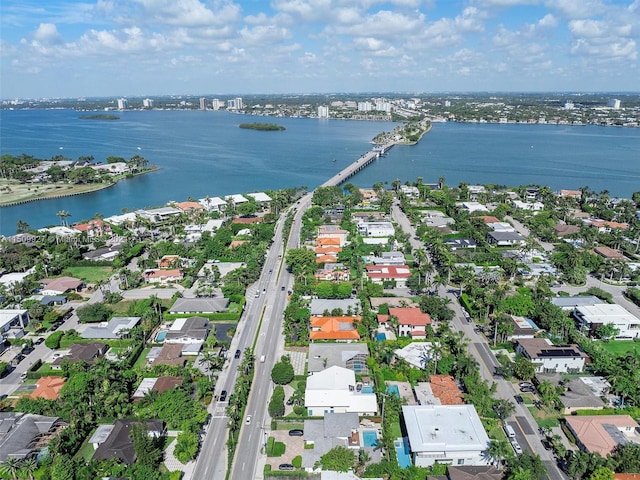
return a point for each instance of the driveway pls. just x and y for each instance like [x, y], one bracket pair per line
[295, 447]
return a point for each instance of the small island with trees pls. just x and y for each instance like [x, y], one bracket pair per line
[262, 126]
[100, 116]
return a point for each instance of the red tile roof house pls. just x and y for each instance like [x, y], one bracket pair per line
[163, 276]
[48, 387]
[94, 228]
[445, 389]
[389, 273]
[603, 433]
[340, 329]
[411, 321]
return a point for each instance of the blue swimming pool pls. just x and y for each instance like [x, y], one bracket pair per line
[401, 446]
[367, 389]
[370, 438]
[161, 336]
[393, 390]
[381, 337]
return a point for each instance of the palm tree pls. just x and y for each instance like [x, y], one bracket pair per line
[62, 215]
[11, 467]
[29, 466]
[498, 450]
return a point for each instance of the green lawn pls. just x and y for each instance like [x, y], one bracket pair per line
[89, 274]
[544, 418]
[395, 430]
[621, 347]
[86, 451]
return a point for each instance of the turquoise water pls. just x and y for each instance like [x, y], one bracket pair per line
[381, 337]
[162, 334]
[367, 389]
[205, 153]
[402, 452]
[370, 438]
[393, 390]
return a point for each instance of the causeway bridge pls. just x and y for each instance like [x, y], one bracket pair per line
[361, 163]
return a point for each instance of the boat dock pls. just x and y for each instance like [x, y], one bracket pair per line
[362, 162]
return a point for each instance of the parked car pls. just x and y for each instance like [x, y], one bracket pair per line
[282, 288]
[38, 341]
[223, 395]
[527, 389]
[518, 399]
[296, 433]
[237, 354]
[285, 466]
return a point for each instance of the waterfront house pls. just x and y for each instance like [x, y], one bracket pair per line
[213, 204]
[94, 228]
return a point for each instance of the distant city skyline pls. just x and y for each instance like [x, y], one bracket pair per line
[120, 48]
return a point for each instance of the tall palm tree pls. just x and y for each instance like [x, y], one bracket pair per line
[29, 466]
[498, 450]
[62, 215]
[11, 467]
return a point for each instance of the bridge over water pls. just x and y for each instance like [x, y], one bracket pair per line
[361, 163]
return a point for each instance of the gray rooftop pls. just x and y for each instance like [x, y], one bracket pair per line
[579, 395]
[101, 434]
[200, 305]
[326, 434]
[335, 354]
[18, 432]
[320, 305]
[569, 303]
[112, 329]
[185, 329]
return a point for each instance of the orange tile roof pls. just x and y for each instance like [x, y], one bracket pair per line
[488, 219]
[603, 223]
[334, 328]
[326, 259]
[382, 318]
[608, 252]
[410, 316]
[445, 389]
[48, 387]
[247, 220]
[176, 272]
[626, 476]
[236, 243]
[323, 241]
[167, 261]
[571, 193]
[327, 249]
[189, 206]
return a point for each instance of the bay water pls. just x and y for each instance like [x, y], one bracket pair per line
[202, 153]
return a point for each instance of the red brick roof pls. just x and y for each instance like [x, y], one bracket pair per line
[326, 259]
[445, 389]
[48, 387]
[324, 241]
[488, 219]
[603, 223]
[176, 272]
[247, 220]
[189, 206]
[607, 252]
[410, 316]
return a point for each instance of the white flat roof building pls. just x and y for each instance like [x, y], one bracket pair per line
[447, 434]
[591, 317]
[335, 390]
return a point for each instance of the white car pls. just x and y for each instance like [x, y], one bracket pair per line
[248, 420]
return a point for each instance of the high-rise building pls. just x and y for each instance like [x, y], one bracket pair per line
[147, 103]
[323, 111]
[203, 103]
[614, 103]
[365, 106]
[123, 104]
[238, 103]
[217, 104]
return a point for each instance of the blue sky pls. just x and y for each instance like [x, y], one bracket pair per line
[71, 48]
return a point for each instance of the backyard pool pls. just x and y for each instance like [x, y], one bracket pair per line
[381, 337]
[401, 446]
[370, 438]
[161, 336]
[393, 390]
[367, 389]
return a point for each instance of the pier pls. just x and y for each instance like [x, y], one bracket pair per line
[361, 163]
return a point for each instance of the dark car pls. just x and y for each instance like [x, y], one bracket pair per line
[223, 395]
[518, 399]
[282, 288]
[39, 341]
[527, 389]
[28, 350]
[296, 433]
[237, 354]
[285, 466]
